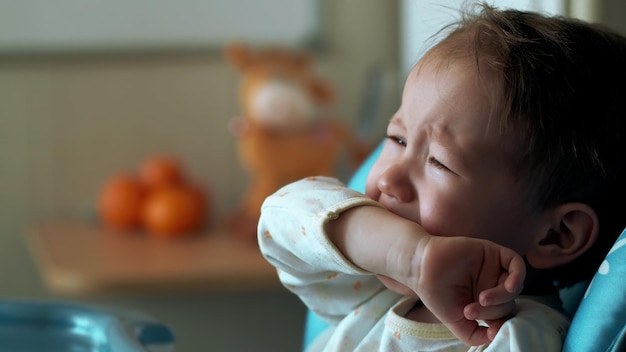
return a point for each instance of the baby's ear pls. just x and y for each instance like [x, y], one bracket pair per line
[573, 231]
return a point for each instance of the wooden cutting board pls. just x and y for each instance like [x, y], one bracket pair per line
[79, 258]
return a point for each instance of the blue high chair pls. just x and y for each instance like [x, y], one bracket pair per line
[598, 308]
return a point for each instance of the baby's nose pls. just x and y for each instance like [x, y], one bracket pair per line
[396, 184]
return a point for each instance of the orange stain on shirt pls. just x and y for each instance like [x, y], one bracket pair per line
[357, 285]
[303, 231]
[331, 276]
[397, 335]
[268, 235]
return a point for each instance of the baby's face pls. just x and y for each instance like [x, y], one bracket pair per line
[444, 166]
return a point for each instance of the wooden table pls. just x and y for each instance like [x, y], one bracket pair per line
[78, 258]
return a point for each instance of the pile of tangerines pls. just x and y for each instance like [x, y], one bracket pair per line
[158, 199]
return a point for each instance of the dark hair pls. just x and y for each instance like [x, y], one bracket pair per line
[559, 85]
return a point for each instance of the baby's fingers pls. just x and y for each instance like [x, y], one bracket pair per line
[515, 266]
[469, 332]
[510, 284]
[498, 295]
[494, 327]
[475, 311]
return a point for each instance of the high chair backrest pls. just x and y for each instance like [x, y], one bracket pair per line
[599, 323]
[598, 309]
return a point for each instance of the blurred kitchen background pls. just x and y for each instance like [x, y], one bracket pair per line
[83, 97]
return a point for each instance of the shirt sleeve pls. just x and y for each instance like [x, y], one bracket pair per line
[535, 327]
[292, 238]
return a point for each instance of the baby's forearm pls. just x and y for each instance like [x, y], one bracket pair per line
[379, 241]
[292, 238]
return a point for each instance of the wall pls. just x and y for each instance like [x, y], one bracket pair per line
[67, 122]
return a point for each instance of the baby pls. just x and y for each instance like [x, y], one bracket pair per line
[499, 171]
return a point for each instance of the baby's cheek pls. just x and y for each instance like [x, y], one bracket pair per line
[443, 221]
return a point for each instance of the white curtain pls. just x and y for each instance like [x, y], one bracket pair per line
[421, 19]
[609, 12]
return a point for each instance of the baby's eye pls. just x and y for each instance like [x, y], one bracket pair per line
[397, 140]
[436, 163]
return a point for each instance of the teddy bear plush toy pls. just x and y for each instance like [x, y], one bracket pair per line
[283, 133]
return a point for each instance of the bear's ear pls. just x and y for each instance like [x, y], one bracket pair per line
[238, 55]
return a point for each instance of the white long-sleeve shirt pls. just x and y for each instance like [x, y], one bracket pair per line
[364, 315]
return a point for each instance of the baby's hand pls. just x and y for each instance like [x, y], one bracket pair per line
[459, 279]
[462, 279]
